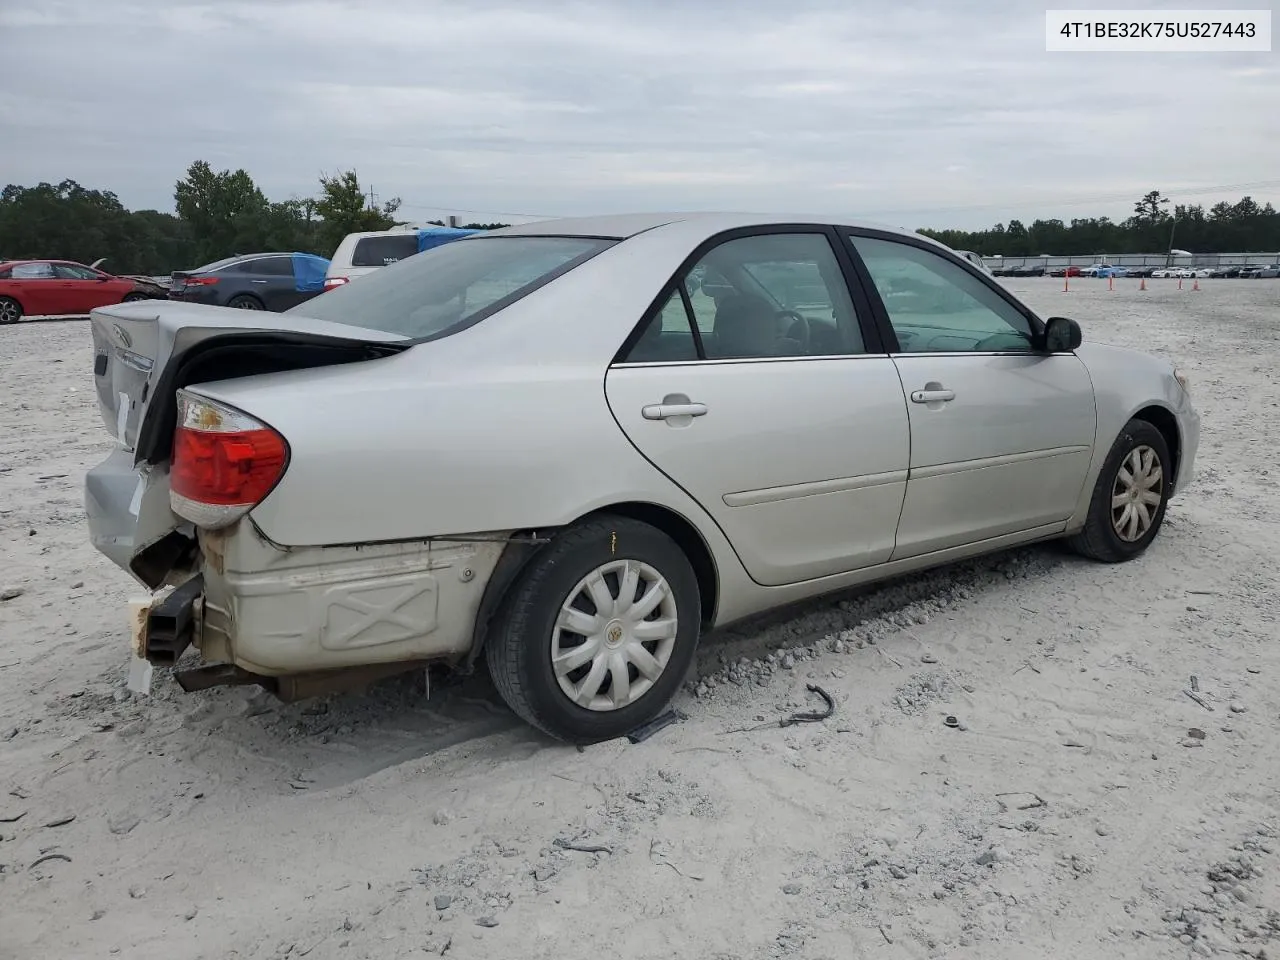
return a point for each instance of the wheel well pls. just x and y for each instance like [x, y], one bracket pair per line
[524, 544]
[1167, 424]
[687, 538]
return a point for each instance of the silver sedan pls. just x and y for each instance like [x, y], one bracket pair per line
[570, 448]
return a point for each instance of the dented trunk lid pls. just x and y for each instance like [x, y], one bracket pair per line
[137, 345]
[143, 353]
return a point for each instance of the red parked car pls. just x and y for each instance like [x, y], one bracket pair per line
[59, 288]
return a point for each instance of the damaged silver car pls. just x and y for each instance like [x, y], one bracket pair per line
[572, 447]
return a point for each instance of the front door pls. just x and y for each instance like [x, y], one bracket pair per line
[84, 289]
[760, 395]
[1001, 432]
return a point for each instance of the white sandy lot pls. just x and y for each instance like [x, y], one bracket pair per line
[1072, 816]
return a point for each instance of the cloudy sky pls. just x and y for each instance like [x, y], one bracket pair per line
[948, 113]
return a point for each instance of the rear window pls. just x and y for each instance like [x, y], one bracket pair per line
[448, 288]
[382, 251]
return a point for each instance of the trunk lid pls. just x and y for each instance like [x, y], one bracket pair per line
[137, 345]
[143, 353]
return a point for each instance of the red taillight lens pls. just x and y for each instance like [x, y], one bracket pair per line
[224, 462]
[331, 282]
[199, 281]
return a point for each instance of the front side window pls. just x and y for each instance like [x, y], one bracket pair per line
[71, 271]
[937, 306]
[447, 288]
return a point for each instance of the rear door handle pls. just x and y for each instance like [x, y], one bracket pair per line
[932, 396]
[257, 281]
[666, 411]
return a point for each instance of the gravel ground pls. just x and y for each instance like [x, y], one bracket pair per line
[1085, 806]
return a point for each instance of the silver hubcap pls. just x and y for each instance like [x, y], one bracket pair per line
[1137, 493]
[248, 304]
[8, 312]
[614, 635]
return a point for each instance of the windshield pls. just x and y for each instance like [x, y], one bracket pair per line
[445, 289]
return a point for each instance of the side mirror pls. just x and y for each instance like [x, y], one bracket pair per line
[1062, 334]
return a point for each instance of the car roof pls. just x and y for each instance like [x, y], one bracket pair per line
[14, 263]
[625, 225]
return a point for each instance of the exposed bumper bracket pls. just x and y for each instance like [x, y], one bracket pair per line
[171, 623]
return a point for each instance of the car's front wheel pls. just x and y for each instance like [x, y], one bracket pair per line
[1129, 498]
[598, 633]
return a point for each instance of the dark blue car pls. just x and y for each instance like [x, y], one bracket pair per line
[255, 281]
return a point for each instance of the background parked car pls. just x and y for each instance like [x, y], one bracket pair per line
[256, 281]
[59, 288]
[1271, 270]
[155, 288]
[362, 253]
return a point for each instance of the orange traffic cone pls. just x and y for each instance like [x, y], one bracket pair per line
[1196, 284]
[1179, 283]
[1111, 283]
[1066, 283]
[1143, 284]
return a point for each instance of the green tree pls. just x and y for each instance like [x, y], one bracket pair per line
[343, 208]
[227, 212]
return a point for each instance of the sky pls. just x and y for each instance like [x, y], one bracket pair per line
[942, 114]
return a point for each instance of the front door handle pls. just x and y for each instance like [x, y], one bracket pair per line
[932, 396]
[257, 281]
[668, 411]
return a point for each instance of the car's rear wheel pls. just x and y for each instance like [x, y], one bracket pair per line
[598, 633]
[245, 302]
[1129, 498]
[10, 310]
[135, 297]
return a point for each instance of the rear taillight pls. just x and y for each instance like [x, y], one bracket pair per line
[199, 281]
[331, 282]
[224, 462]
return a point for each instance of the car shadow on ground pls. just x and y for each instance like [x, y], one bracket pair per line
[343, 738]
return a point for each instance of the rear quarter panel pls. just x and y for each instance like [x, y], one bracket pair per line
[405, 448]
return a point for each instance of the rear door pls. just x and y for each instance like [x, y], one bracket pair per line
[1002, 432]
[273, 280]
[758, 385]
[37, 288]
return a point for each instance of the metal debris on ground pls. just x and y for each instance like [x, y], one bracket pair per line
[816, 716]
[645, 731]
[575, 845]
[47, 857]
[1198, 699]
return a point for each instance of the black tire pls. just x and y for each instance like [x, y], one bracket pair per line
[519, 648]
[134, 297]
[245, 301]
[1100, 540]
[10, 310]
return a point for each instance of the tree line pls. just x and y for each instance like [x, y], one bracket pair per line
[218, 214]
[221, 213]
[1242, 227]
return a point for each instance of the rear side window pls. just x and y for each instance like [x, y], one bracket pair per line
[271, 266]
[33, 271]
[383, 251]
[448, 288]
